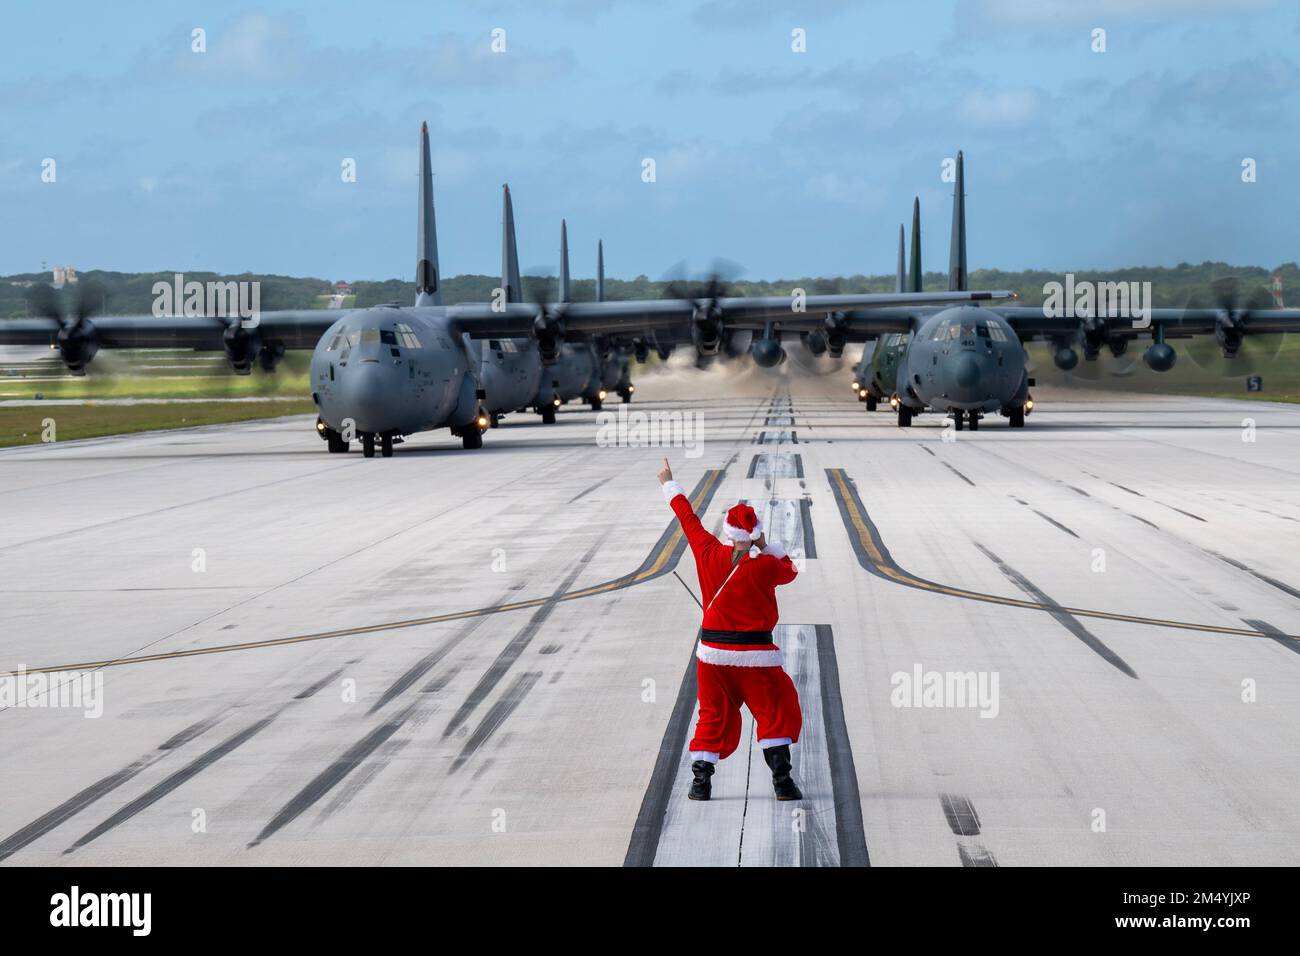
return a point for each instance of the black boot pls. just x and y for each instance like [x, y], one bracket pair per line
[778, 758]
[701, 786]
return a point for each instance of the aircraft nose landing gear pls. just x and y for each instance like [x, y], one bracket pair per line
[471, 435]
[335, 442]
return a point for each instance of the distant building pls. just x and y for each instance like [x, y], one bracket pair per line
[1277, 291]
[64, 275]
[342, 288]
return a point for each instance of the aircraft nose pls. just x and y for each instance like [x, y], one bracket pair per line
[363, 397]
[965, 371]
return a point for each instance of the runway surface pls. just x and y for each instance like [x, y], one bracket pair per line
[1072, 644]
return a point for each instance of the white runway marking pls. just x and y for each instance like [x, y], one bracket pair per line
[744, 824]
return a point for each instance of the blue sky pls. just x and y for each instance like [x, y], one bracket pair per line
[785, 163]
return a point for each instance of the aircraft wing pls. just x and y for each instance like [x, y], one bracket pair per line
[481, 321]
[1030, 322]
[293, 328]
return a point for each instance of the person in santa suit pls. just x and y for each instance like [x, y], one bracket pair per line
[736, 661]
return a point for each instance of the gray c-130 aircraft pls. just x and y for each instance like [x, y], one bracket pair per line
[379, 374]
[969, 360]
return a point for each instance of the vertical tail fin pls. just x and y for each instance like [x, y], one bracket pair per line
[564, 262]
[510, 281]
[427, 291]
[600, 270]
[915, 273]
[900, 283]
[957, 255]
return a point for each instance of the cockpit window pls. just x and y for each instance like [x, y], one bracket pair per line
[997, 333]
[387, 337]
[335, 343]
[407, 336]
[369, 336]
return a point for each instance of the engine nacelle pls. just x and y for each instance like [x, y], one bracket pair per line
[1066, 358]
[1093, 336]
[814, 341]
[1229, 338]
[242, 347]
[837, 334]
[1160, 357]
[706, 330]
[269, 356]
[549, 333]
[767, 353]
[707, 338]
[77, 346]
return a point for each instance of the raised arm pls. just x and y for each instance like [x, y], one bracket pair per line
[693, 528]
[780, 570]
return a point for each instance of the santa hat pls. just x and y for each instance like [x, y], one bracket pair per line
[742, 525]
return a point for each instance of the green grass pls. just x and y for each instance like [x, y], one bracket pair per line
[126, 375]
[23, 425]
[1200, 371]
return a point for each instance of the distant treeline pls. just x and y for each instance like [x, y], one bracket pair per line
[132, 293]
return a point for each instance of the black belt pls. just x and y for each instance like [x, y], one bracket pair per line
[735, 637]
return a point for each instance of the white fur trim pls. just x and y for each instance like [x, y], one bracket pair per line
[708, 755]
[740, 535]
[671, 490]
[775, 550]
[775, 742]
[729, 658]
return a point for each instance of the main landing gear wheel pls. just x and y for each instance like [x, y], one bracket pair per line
[336, 443]
[595, 404]
[974, 421]
[471, 438]
[548, 415]
[386, 446]
[959, 419]
[904, 416]
[1017, 417]
[625, 395]
[368, 445]
[871, 403]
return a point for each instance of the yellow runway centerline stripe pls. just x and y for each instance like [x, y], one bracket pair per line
[887, 568]
[650, 570]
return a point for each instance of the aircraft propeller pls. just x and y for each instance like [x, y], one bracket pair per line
[707, 330]
[76, 340]
[1233, 353]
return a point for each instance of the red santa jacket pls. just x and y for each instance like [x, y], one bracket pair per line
[748, 602]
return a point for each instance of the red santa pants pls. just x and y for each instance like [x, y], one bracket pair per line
[769, 694]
